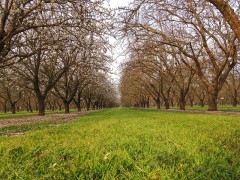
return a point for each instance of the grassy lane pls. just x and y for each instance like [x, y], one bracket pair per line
[127, 144]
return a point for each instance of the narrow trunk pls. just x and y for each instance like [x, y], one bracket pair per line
[201, 102]
[59, 107]
[78, 105]
[167, 104]
[191, 102]
[41, 106]
[77, 102]
[88, 104]
[5, 108]
[88, 107]
[13, 108]
[235, 100]
[29, 106]
[79, 108]
[36, 106]
[97, 105]
[158, 103]
[172, 103]
[30, 109]
[148, 103]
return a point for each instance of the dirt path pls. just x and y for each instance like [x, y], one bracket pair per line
[54, 118]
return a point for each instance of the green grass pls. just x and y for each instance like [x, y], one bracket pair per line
[127, 144]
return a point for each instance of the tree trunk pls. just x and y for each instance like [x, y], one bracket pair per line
[201, 102]
[79, 108]
[88, 104]
[66, 107]
[88, 107]
[212, 101]
[148, 103]
[13, 108]
[97, 105]
[158, 103]
[5, 108]
[60, 107]
[41, 106]
[191, 102]
[235, 100]
[30, 109]
[77, 102]
[166, 103]
[36, 106]
[172, 103]
[182, 102]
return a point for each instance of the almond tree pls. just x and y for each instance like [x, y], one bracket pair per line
[67, 86]
[43, 70]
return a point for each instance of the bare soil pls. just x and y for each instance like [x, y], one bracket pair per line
[54, 119]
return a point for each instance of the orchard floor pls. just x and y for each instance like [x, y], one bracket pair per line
[126, 143]
[18, 124]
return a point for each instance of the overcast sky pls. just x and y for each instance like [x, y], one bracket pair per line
[117, 3]
[118, 51]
